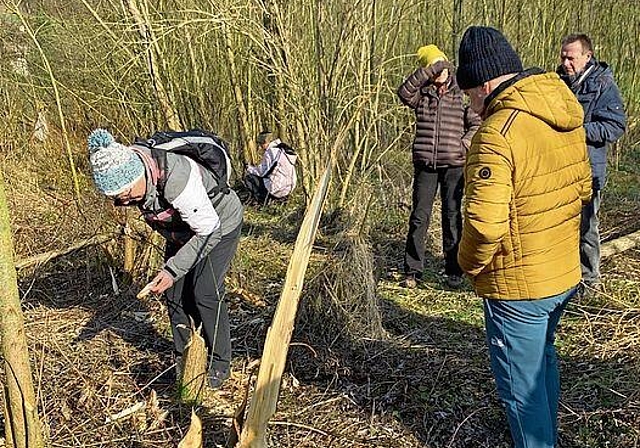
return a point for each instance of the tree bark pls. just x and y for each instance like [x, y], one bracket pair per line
[267, 389]
[22, 423]
[249, 150]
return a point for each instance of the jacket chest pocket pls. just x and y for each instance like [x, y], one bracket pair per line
[586, 101]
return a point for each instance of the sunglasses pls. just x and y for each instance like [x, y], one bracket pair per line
[123, 199]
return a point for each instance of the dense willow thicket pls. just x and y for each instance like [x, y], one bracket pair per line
[323, 73]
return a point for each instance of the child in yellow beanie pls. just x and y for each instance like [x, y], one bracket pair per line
[435, 62]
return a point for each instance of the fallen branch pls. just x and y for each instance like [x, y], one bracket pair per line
[48, 256]
[126, 412]
[620, 244]
[300, 425]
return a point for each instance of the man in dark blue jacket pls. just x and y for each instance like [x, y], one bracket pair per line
[604, 122]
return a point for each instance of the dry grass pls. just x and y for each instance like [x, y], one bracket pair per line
[341, 301]
[44, 213]
[424, 381]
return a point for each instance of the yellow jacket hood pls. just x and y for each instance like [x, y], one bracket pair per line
[542, 96]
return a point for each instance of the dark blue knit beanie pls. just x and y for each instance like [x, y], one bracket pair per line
[484, 54]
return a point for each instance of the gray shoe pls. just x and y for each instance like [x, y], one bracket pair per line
[588, 289]
[219, 372]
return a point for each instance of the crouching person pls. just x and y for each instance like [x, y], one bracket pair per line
[200, 218]
[275, 176]
[527, 178]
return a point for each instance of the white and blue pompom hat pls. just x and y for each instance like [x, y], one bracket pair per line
[115, 167]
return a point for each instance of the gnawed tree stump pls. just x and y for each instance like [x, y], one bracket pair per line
[193, 437]
[192, 379]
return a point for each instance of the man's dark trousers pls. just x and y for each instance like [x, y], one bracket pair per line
[425, 184]
[590, 241]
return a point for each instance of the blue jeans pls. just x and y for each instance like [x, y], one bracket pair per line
[520, 335]
[590, 240]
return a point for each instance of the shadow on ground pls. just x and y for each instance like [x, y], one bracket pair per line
[432, 376]
[427, 384]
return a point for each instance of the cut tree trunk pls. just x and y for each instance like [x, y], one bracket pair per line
[193, 371]
[267, 389]
[193, 438]
[22, 424]
[620, 244]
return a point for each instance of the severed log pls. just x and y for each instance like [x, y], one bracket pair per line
[21, 421]
[265, 397]
[193, 438]
[48, 256]
[192, 377]
[620, 244]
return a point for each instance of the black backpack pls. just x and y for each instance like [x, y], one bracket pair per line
[205, 148]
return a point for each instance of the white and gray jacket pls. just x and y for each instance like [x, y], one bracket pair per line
[190, 214]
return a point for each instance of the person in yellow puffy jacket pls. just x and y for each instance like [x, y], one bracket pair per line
[527, 177]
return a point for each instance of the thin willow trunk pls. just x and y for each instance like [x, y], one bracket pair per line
[456, 28]
[363, 78]
[153, 57]
[198, 78]
[148, 37]
[130, 245]
[249, 150]
[307, 168]
[54, 85]
[281, 52]
[277, 59]
[22, 424]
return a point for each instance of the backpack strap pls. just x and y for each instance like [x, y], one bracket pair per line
[284, 149]
[160, 158]
[287, 149]
[273, 166]
[187, 144]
